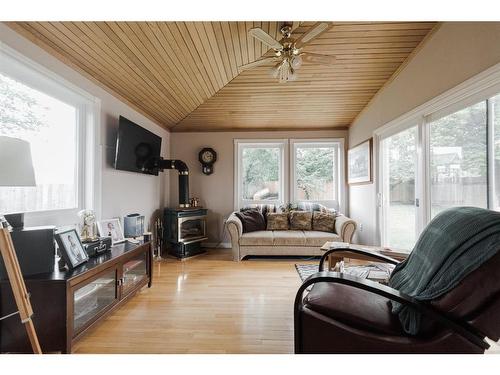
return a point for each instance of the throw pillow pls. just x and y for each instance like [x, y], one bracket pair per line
[262, 208]
[252, 220]
[300, 220]
[323, 221]
[277, 221]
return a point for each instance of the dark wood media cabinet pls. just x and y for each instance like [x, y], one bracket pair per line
[67, 304]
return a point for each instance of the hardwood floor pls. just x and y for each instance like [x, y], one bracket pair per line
[208, 304]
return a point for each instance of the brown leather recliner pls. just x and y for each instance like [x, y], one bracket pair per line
[345, 314]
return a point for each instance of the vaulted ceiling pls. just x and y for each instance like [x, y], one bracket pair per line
[185, 76]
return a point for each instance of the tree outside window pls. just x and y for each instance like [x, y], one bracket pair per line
[261, 173]
[315, 170]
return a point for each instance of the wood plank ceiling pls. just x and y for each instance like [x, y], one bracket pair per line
[185, 77]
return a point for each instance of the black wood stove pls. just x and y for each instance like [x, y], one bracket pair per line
[185, 229]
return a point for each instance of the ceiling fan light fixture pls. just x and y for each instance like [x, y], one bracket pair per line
[288, 51]
[292, 77]
[284, 71]
[296, 61]
[275, 70]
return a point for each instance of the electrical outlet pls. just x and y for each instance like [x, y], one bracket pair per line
[360, 227]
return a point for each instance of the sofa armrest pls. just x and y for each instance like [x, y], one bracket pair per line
[235, 229]
[345, 228]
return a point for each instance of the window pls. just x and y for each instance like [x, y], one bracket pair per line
[57, 121]
[260, 172]
[50, 126]
[266, 172]
[443, 154]
[315, 172]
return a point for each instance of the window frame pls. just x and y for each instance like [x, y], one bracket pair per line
[338, 203]
[239, 146]
[482, 87]
[88, 167]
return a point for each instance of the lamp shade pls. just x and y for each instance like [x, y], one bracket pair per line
[16, 165]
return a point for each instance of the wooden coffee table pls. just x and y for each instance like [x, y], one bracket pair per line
[335, 258]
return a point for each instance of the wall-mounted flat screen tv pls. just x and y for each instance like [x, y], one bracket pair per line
[136, 147]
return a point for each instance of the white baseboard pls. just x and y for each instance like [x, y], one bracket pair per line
[219, 245]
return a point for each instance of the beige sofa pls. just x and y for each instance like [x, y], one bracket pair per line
[285, 242]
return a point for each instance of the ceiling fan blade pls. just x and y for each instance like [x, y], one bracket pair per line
[318, 58]
[265, 38]
[257, 63]
[315, 31]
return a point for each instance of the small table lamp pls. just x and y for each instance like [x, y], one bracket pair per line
[16, 169]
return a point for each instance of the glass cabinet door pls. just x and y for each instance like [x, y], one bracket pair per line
[134, 272]
[92, 298]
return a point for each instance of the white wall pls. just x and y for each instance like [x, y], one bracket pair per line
[456, 52]
[122, 192]
[216, 191]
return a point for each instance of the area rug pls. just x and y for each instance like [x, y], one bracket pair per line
[306, 270]
[374, 271]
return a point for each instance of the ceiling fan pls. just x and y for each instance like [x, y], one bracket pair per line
[288, 54]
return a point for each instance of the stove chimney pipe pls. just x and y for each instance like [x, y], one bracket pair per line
[183, 170]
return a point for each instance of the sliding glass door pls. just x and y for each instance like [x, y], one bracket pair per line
[458, 159]
[399, 166]
[449, 158]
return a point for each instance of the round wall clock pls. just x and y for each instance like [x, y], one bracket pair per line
[207, 158]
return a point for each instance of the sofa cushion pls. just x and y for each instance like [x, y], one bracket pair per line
[277, 221]
[318, 238]
[300, 220]
[289, 238]
[257, 238]
[323, 221]
[251, 220]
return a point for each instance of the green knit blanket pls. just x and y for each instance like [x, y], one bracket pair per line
[455, 243]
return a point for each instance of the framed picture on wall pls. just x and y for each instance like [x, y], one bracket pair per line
[359, 163]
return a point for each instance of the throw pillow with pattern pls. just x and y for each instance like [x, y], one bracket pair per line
[323, 221]
[277, 221]
[300, 220]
